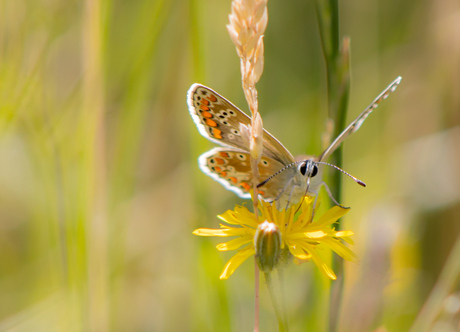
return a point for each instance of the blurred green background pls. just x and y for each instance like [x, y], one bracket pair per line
[100, 188]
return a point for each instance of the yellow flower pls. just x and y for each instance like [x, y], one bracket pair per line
[302, 236]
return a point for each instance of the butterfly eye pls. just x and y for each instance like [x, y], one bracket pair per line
[315, 171]
[303, 168]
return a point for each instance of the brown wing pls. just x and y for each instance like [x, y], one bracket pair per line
[219, 120]
[231, 168]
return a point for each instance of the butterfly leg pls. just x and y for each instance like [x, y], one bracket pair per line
[278, 202]
[332, 197]
[290, 196]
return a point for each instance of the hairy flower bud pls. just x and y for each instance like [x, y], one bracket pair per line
[267, 242]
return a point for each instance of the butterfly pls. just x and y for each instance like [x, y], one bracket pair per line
[283, 178]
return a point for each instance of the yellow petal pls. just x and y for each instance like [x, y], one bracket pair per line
[245, 216]
[264, 214]
[344, 233]
[212, 232]
[348, 240]
[321, 265]
[298, 252]
[229, 231]
[236, 261]
[307, 201]
[315, 235]
[289, 223]
[229, 217]
[331, 216]
[239, 216]
[235, 243]
[278, 217]
[243, 211]
[305, 216]
[340, 249]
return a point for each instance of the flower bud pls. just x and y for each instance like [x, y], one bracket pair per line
[267, 242]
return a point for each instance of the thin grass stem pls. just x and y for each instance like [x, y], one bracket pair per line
[338, 82]
[449, 276]
[94, 169]
[256, 295]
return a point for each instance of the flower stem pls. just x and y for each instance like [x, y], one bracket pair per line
[256, 296]
[275, 296]
[283, 294]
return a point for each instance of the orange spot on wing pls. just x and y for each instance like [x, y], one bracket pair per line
[212, 98]
[262, 193]
[220, 161]
[211, 123]
[204, 107]
[216, 133]
[224, 154]
[218, 169]
[206, 114]
[233, 179]
[205, 101]
[246, 186]
[223, 174]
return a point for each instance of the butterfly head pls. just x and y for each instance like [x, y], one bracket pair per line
[298, 179]
[308, 168]
[309, 176]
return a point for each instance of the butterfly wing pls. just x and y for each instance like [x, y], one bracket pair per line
[220, 121]
[356, 124]
[231, 168]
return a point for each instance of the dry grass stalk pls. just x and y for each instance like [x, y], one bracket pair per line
[248, 21]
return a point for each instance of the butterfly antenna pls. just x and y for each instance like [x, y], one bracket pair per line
[358, 181]
[275, 174]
